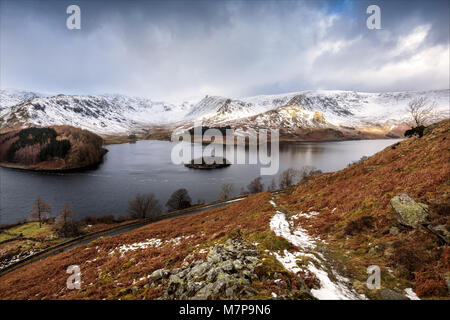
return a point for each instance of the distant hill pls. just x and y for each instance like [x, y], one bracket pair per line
[50, 148]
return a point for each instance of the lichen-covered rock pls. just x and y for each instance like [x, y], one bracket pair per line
[159, 274]
[227, 273]
[409, 212]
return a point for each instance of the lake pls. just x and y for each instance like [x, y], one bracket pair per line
[146, 167]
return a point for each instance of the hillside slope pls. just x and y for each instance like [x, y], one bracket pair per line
[358, 222]
[50, 148]
[309, 242]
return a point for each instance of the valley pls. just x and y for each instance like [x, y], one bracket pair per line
[313, 240]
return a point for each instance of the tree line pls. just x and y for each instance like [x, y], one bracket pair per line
[287, 178]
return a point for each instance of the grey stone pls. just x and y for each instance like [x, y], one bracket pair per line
[204, 293]
[175, 271]
[227, 266]
[227, 273]
[251, 259]
[199, 270]
[213, 256]
[409, 212]
[237, 264]
[211, 275]
[193, 287]
[246, 274]
[159, 274]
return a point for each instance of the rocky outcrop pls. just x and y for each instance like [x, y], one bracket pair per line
[409, 212]
[227, 273]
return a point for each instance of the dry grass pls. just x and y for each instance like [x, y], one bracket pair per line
[110, 273]
[356, 199]
[363, 215]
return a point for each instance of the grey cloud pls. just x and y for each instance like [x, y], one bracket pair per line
[186, 49]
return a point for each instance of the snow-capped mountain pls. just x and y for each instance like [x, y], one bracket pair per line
[336, 107]
[291, 112]
[11, 97]
[101, 114]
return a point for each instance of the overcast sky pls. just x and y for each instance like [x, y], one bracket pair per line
[185, 50]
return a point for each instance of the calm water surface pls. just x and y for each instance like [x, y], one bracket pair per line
[146, 167]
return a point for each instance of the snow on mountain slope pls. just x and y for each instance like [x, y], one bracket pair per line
[336, 108]
[119, 114]
[101, 114]
[222, 108]
[11, 97]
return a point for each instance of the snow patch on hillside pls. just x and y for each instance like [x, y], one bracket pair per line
[333, 286]
[149, 243]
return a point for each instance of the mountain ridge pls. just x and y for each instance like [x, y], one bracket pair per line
[295, 112]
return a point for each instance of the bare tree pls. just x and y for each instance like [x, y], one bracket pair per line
[308, 171]
[272, 186]
[180, 199]
[65, 222]
[289, 177]
[292, 176]
[421, 111]
[144, 205]
[40, 211]
[255, 186]
[227, 191]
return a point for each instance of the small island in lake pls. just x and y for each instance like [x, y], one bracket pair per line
[52, 148]
[208, 163]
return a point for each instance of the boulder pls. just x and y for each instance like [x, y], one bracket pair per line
[227, 273]
[409, 212]
[159, 274]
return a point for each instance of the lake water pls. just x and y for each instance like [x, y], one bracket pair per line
[146, 167]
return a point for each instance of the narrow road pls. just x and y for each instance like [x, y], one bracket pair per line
[107, 233]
